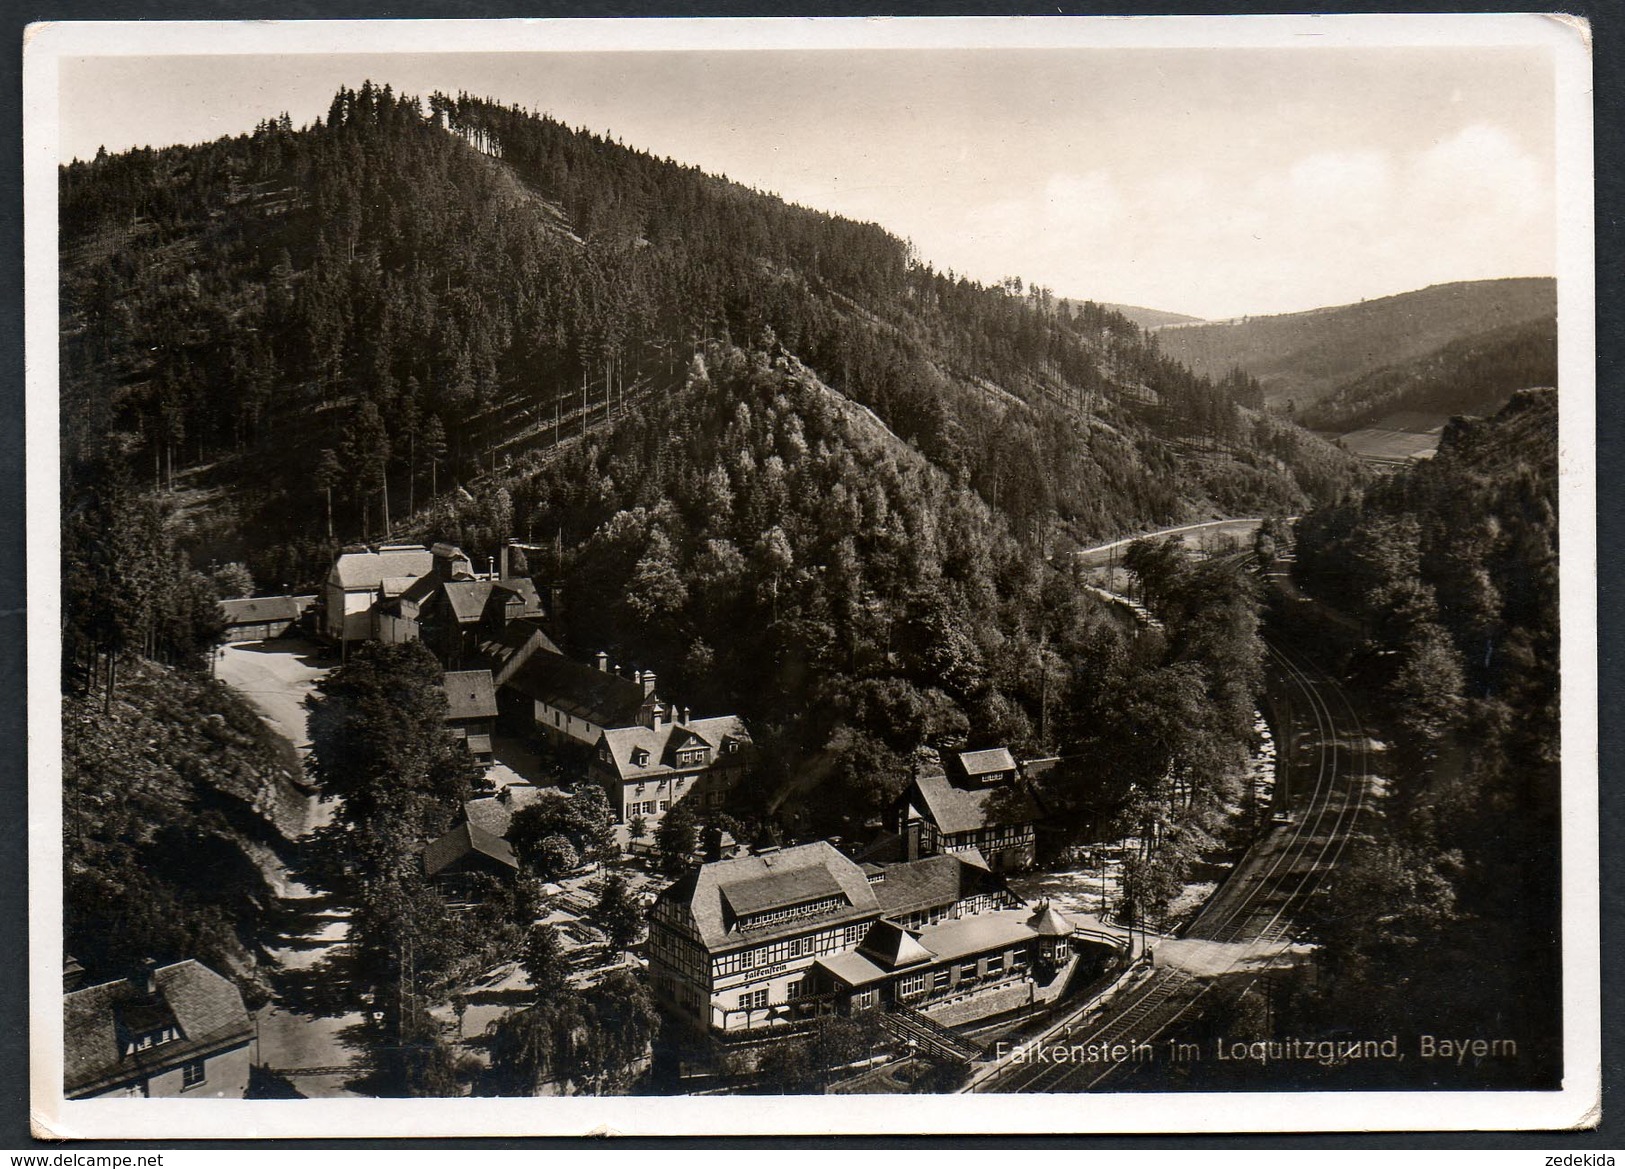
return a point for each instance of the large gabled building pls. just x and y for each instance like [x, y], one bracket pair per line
[646, 768]
[362, 580]
[569, 701]
[175, 1030]
[759, 942]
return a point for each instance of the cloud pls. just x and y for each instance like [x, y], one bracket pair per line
[1479, 170]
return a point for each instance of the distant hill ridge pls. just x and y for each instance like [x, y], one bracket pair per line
[1474, 375]
[1152, 318]
[300, 335]
[1303, 357]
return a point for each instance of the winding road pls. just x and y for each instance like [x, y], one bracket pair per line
[1252, 917]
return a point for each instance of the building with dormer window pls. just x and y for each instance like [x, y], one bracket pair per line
[646, 768]
[760, 942]
[176, 1030]
[975, 802]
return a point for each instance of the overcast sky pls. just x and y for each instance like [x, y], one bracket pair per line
[1211, 181]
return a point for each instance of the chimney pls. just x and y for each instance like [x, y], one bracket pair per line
[911, 840]
[686, 715]
[603, 661]
[507, 572]
[648, 681]
[147, 980]
[73, 974]
[491, 567]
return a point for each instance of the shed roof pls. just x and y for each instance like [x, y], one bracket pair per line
[207, 1009]
[463, 841]
[469, 694]
[852, 969]
[957, 809]
[780, 890]
[494, 814]
[251, 610]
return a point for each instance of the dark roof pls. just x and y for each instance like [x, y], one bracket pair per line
[929, 883]
[466, 598]
[956, 809]
[511, 649]
[206, 1008]
[702, 891]
[469, 694]
[466, 840]
[250, 610]
[525, 588]
[494, 814]
[598, 696]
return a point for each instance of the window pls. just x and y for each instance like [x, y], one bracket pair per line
[193, 1074]
[995, 964]
[753, 1000]
[793, 991]
[911, 985]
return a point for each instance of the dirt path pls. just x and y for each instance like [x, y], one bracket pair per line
[305, 1025]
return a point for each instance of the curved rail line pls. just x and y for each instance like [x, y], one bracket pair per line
[1318, 836]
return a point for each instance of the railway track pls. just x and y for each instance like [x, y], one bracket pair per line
[1255, 906]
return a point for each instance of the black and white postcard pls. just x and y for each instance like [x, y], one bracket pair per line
[708, 577]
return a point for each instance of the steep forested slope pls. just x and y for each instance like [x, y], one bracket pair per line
[1448, 917]
[770, 548]
[1472, 375]
[422, 293]
[1302, 357]
[172, 790]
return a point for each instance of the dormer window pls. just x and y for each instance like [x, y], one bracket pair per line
[640, 757]
[142, 1041]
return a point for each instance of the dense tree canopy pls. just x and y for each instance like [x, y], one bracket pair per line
[1449, 914]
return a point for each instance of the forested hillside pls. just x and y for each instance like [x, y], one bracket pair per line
[771, 549]
[1448, 919]
[1472, 375]
[301, 333]
[779, 459]
[1299, 358]
[173, 791]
